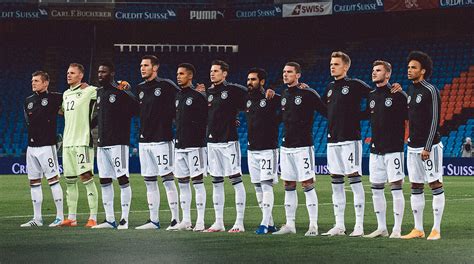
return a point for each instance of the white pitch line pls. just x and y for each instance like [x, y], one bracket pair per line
[210, 208]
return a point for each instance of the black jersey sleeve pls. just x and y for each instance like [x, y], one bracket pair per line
[363, 88]
[318, 104]
[401, 104]
[240, 96]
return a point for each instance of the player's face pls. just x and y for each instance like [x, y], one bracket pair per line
[184, 77]
[217, 74]
[104, 75]
[290, 77]
[253, 83]
[147, 69]
[379, 74]
[74, 76]
[38, 85]
[338, 68]
[415, 72]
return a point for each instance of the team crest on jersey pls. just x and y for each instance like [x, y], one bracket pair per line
[78, 94]
[372, 104]
[44, 102]
[176, 103]
[298, 100]
[141, 94]
[345, 89]
[388, 102]
[263, 103]
[189, 101]
[409, 99]
[30, 105]
[283, 101]
[112, 98]
[249, 103]
[418, 98]
[209, 99]
[329, 93]
[98, 99]
[157, 92]
[224, 95]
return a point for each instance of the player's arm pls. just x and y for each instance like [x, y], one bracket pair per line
[58, 100]
[433, 115]
[93, 108]
[27, 119]
[365, 114]
[240, 96]
[277, 101]
[319, 105]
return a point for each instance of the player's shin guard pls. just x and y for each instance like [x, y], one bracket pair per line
[438, 207]
[172, 195]
[380, 205]
[417, 200]
[339, 200]
[398, 207]
[267, 203]
[291, 202]
[92, 198]
[240, 199]
[259, 194]
[359, 199]
[57, 193]
[72, 196]
[311, 204]
[125, 200]
[185, 198]
[153, 198]
[218, 199]
[37, 199]
[200, 200]
[108, 201]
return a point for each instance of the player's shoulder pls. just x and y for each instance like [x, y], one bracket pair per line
[168, 82]
[310, 91]
[236, 85]
[431, 87]
[30, 97]
[358, 82]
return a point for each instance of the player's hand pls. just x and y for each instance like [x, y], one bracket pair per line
[425, 155]
[303, 86]
[269, 94]
[200, 88]
[396, 87]
[84, 85]
[123, 85]
[237, 122]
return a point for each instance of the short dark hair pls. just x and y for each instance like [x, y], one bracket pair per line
[44, 75]
[153, 59]
[344, 57]
[109, 65]
[77, 65]
[386, 65]
[294, 64]
[188, 66]
[424, 60]
[224, 66]
[261, 73]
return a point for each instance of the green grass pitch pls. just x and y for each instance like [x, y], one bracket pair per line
[81, 245]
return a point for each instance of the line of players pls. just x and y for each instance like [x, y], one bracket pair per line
[206, 140]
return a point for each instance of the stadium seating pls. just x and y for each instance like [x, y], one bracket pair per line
[453, 75]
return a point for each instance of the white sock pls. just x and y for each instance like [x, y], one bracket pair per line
[339, 203]
[200, 201]
[153, 198]
[240, 197]
[291, 203]
[259, 194]
[417, 207]
[312, 206]
[267, 205]
[37, 199]
[108, 201]
[398, 209]
[380, 208]
[359, 202]
[57, 192]
[172, 195]
[185, 198]
[218, 198]
[438, 208]
[125, 200]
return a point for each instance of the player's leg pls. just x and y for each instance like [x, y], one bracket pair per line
[233, 169]
[267, 207]
[149, 168]
[185, 198]
[254, 159]
[85, 164]
[72, 191]
[216, 169]
[35, 173]
[121, 170]
[436, 185]
[416, 173]
[105, 166]
[312, 206]
[165, 161]
[353, 155]
[291, 203]
[396, 174]
[57, 193]
[200, 190]
[50, 166]
[334, 157]
[378, 177]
